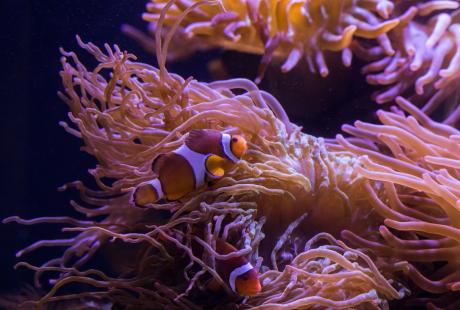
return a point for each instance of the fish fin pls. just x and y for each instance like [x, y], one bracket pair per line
[205, 141]
[215, 166]
[195, 135]
[156, 164]
[213, 285]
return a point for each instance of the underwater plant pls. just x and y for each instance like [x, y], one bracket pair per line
[410, 46]
[287, 30]
[426, 65]
[418, 166]
[331, 275]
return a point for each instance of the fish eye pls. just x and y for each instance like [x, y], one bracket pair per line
[244, 277]
[234, 139]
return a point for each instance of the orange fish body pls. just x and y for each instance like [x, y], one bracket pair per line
[174, 184]
[240, 275]
[237, 272]
[204, 155]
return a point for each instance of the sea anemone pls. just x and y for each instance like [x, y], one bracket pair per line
[409, 45]
[330, 275]
[426, 65]
[289, 30]
[419, 167]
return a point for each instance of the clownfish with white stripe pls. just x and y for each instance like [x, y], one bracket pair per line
[238, 272]
[204, 156]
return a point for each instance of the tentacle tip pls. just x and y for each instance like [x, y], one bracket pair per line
[415, 67]
[381, 100]
[400, 100]
[79, 40]
[419, 90]
[390, 51]
[385, 9]
[345, 234]
[372, 80]
[16, 266]
[388, 222]
[445, 73]
[8, 219]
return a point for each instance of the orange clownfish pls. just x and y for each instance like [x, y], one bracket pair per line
[238, 272]
[204, 155]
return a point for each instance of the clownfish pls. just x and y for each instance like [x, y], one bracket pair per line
[238, 272]
[204, 155]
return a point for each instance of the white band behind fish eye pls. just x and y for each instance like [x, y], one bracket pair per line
[157, 186]
[238, 272]
[197, 162]
[226, 139]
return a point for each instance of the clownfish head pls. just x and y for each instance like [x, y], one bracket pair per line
[233, 146]
[248, 284]
[238, 146]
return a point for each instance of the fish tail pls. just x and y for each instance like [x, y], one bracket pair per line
[148, 193]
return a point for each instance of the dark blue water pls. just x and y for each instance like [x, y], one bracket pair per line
[37, 154]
